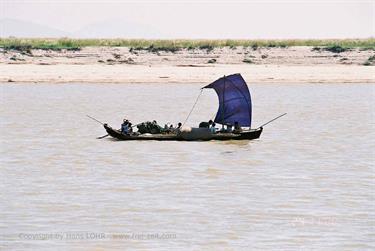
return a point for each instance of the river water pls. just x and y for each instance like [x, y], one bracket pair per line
[306, 184]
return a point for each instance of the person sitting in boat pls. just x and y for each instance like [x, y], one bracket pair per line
[125, 126]
[130, 128]
[213, 128]
[170, 129]
[237, 128]
[229, 128]
[225, 128]
[179, 125]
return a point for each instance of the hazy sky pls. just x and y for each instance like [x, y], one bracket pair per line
[203, 19]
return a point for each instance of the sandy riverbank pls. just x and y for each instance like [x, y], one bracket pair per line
[121, 65]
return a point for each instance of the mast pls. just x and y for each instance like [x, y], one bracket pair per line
[223, 111]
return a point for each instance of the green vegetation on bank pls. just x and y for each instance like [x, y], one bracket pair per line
[25, 44]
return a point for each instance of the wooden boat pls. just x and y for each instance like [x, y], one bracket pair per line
[249, 134]
[234, 108]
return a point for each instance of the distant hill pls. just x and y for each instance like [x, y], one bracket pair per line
[18, 28]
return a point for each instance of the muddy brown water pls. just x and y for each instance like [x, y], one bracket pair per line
[306, 184]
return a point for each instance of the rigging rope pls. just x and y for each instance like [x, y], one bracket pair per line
[196, 101]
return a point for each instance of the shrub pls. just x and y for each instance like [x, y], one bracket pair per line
[336, 48]
[371, 58]
[315, 48]
[157, 49]
[248, 61]
[206, 47]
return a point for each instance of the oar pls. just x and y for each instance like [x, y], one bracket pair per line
[102, 137]
[272, 120]
[95, 119]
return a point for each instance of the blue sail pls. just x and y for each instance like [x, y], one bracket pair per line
[234, 100]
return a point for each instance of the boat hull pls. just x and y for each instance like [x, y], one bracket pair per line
[245, 135]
